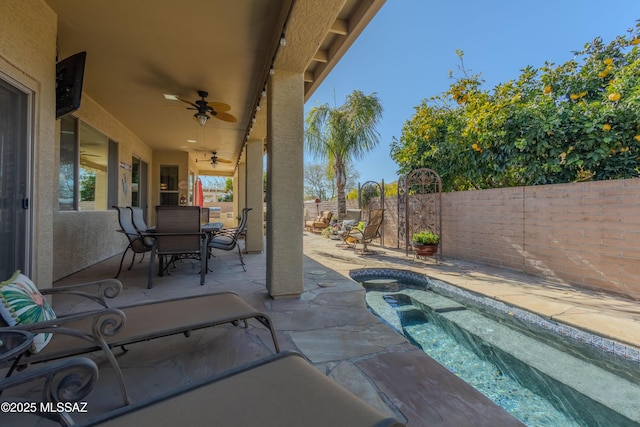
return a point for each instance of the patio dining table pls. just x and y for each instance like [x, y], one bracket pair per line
[211, 228]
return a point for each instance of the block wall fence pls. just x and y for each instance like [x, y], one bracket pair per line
[584, 234]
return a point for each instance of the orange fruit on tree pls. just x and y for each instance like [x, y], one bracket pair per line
[614, 96]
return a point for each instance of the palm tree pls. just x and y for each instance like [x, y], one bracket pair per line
[344, 133]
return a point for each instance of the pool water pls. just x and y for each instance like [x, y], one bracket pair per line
[529, 379]
[527, 406]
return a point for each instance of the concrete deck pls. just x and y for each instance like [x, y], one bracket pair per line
[331, 325]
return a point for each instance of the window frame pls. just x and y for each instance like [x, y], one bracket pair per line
[74, 147]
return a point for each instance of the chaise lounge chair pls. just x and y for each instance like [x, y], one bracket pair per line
[107, 328]
[283, 390]
[69, 380]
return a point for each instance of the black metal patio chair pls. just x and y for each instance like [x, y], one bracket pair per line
[138, 243]
[227, 239]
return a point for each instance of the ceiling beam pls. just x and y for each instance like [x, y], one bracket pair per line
[321, 56]
[361, 16]
[308, 76]
[340, 27]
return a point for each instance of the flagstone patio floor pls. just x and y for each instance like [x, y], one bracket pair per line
[331, 325]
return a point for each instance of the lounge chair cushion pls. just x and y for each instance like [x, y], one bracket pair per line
[321, 221]
[279, 391]
[22, 303]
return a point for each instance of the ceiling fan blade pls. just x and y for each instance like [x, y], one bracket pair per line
[224, 160]
[185, 101]
[226, 117]
[219, 106]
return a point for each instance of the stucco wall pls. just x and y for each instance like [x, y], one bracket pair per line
[585, 234]
[27, 57]
[82, 238]
[62, 242]
[180, 159]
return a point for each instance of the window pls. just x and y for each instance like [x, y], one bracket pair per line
[88, 167]
[169, 185]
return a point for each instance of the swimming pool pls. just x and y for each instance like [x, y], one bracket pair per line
[511, 361]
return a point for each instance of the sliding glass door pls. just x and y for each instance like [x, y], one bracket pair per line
[14, 180]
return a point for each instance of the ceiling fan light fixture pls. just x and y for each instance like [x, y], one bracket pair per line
[202, 118]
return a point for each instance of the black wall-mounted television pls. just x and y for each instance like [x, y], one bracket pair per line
[69, 76]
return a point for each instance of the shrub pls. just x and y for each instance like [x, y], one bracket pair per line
[572, 122]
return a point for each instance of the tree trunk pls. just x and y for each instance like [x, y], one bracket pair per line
[341, 180]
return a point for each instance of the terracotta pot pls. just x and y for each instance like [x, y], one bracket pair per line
[425, 250]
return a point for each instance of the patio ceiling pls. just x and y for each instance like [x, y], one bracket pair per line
[139, 50]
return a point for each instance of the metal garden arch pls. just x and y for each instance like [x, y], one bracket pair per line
[423, 205]
[371, 196]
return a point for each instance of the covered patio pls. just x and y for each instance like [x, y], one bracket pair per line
[331, 325]
[168, 92]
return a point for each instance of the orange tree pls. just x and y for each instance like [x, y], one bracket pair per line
[570, 122]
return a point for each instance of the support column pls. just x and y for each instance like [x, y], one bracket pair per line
[239, 191]
[285, 156]
[254, 242]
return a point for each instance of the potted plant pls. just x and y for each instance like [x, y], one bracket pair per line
[335, 231]
[425, 243]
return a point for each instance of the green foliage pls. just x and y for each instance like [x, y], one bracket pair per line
[367, 193]
[425, 238]
[226, 197]
[228, 185]
[391, 190]
[571, 122]
[87, 186]
[344, 133]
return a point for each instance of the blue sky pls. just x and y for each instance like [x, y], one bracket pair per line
[406, 52]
